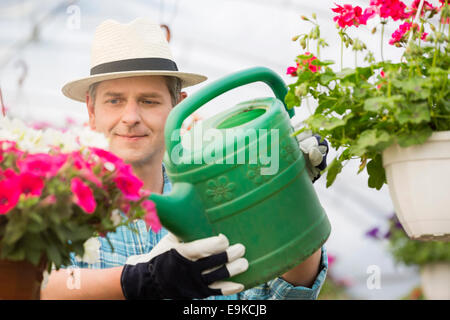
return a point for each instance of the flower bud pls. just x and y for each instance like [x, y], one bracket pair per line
[304, 18]
[295, 38]
[314, 16]
[374, 30]
[301, 90]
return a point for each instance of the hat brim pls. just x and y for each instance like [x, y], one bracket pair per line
[77, 89]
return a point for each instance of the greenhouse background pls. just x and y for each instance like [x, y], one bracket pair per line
[44, 44]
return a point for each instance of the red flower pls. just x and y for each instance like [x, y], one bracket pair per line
[426, 7]
[390, 8]
[151, 218]
[128, 184]
[83, 195]
[307, 63]
[41, 164]
[349, 16]
[9, 193]
[106, 156]
[31, 184]
[292, 71]
[398, 34]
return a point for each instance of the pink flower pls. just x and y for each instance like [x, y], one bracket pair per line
[390, 8]
[426, 7]
[151, 218]
[30, 184]
[292, 71]
[9, 194]
[48, 200]
[307, 63]
[83, 195]
[41, 164]
[398, 34]
[106, 156]
[331, 260]
[349, 15]
[128, 184]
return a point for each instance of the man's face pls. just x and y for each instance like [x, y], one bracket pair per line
[132, 112]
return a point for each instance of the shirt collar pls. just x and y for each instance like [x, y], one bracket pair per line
[167, 187]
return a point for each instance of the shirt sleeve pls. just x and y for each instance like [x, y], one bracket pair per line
[279, 289]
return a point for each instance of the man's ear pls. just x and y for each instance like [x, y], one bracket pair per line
[183, 95]
[91, 111]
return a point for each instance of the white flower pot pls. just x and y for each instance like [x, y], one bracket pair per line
[419, 184]
[435, 280]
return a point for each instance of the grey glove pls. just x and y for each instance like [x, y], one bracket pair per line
[314, 150]
[177, 270]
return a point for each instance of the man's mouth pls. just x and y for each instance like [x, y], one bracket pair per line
[131, 137]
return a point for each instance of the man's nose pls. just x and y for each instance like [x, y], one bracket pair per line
[131, 114]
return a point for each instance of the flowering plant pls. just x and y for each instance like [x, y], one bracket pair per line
[58, 190]
[363, 110]
[408, 251]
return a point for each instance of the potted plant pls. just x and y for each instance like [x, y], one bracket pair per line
[57, 192]
[432, 258]
[392, 116]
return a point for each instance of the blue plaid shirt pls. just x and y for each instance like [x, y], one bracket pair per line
[127, 243]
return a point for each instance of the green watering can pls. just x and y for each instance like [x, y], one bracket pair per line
[249, 183]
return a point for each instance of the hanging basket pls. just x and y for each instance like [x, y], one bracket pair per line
[419, 183]
[20, 280]
[435, 279]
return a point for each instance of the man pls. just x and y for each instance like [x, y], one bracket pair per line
[133, 86]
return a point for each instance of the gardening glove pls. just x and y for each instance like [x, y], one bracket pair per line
[177, 270]
[314, 150]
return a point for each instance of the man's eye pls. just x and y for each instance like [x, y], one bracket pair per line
[149, 102]
[113, 101]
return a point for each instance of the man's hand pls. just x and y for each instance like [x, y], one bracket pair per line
[315, 152]
[176, 270]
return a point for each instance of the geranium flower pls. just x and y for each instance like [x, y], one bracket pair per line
[9, 194]
[390, 8]
[349, 15]
[398, 34]
[151, 218]
[426, 7]
[292, 71]
[307, 63]
[83, 195]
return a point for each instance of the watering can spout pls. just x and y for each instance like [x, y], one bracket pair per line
[180, 208]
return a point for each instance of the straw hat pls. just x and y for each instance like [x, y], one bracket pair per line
[138, 48]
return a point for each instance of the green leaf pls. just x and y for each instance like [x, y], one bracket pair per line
[414, 113]
[319, 121]
[333, 170]
[326, 77]
[345, 72]
[371, 140]
[291, 99]
[53, 253]
[377, 175]
[15, 229]
[414, 137]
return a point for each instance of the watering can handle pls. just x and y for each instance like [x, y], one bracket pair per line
[216, 88]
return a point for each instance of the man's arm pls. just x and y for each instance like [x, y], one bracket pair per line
[306, 272]
[102, 284]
